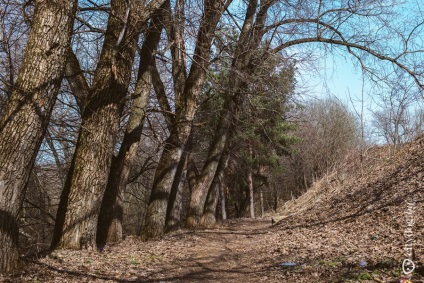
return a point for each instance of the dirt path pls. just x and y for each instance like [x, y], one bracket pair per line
[242, 250]
[227, 253]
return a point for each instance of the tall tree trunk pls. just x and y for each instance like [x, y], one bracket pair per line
[109, 227]
[27, 115]
[173, 211]
[209, 214]
[223, 201]
[164, 176]
[186, 104]
[204, 181]
[192, 172]
[262, 203]
[76, 80]
[275, 198]
[208, 218]
[250, 38]
[175, 31]
[175, 204]
[251, 195]
[79, 207]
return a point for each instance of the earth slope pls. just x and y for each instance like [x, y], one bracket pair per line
[360, 215]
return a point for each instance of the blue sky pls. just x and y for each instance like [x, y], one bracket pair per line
[336, 74]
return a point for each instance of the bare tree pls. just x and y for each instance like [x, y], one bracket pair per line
[109, 228]
[394, 120]
[185, 109]
[215, 192]
[329, 132]
[249, 40]
[26, 116]
[80, 203]
[14, 29]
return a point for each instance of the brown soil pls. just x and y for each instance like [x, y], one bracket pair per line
[239, 251]
[227, 253]
[349, 227]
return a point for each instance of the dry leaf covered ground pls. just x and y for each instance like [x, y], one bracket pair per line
[353, 226]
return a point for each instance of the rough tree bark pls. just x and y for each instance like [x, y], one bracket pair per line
[28, 112]
[262, 203]
[175, 30]
[192, 172]
[76, 80]
[173, 210]
[250, 184]
[109, 227]
[79, 207]
[186, 103]
[249, 40]
[204, 181]
[209, 213]
[223, 201]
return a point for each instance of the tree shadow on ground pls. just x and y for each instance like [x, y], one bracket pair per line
[212, 268]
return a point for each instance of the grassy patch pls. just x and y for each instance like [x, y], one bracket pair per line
[134, 261]
[365, 276]
[88, 260]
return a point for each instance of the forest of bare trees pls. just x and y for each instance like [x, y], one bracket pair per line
[133, 117]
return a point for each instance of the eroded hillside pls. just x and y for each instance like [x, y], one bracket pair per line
[370, 214]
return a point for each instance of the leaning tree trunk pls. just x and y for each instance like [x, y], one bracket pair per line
[175, 204]
[186, 104]
[164, 176]
[173, 210]
[204, 181]
[209, 215]
[109, 228]
[27, 114]
[249, 40]
[222, 134]
[76, 80]
[79, 207]
[208, 218]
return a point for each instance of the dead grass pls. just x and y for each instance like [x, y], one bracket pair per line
[349, 227]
